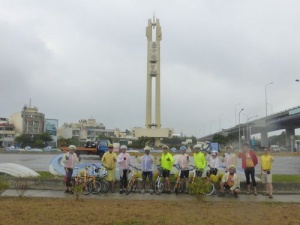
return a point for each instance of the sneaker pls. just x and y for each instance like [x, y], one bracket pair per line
[255, 193]
[235, 194]
[168, 192]
[143, 191]
[248, 193]
[121, 192]
[71, 192]
[221, 194]
[270, 196]
[112, 191]
[151, 191]
[67, 191]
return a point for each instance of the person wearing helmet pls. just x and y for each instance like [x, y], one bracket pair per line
[109, 160]
[213, 162]
[123, 161]
[166, 161]
[231, 182]
[69, 160]
[147, 161]
[229, 158]
[183, 162]
[199, 161]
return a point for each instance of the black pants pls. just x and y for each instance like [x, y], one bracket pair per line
[250, 171]
[123, 178]
[69, 172]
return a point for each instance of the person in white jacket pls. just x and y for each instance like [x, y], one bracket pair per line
[69, 160]
[123, 161]
[231, 182]
[146, 162]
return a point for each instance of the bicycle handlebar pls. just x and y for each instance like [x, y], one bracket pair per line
[134, 167]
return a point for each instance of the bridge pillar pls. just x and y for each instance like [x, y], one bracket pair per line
[264, 138]
[289, 137]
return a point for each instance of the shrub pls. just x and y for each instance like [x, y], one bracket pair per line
[199, 187]
[21, 186]
[3, 185]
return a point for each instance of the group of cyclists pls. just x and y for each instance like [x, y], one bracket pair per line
[147, 162]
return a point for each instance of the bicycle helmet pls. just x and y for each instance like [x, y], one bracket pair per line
[182, 148]
[197, 147]
[147, 148]
[110, 146]
[123, 147]
[72, 147]
[165, 147]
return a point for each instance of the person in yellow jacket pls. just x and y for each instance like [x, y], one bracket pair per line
[199, 161]
[109, 160]
[167, 162]
[266, 175]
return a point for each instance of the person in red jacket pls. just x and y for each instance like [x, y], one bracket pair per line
[249, 161]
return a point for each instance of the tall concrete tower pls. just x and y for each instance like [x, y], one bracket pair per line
[153, 128]
[153, 33]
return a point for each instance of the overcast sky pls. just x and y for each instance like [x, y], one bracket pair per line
[79, 59]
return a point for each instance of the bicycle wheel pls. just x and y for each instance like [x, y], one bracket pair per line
[87, 188]
[104, 186]
[96, 187]
[129, 189]
[159, 188]
[210, 189]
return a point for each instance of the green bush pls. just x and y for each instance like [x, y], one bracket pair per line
[3, 185]
[199, 187]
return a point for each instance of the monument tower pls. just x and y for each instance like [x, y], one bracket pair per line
[153, 128]
[153, 33]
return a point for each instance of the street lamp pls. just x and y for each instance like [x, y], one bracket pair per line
[240, 129]
[249, 127]
[235, 113]
[210, 125]
[267, 111]
[220, 121]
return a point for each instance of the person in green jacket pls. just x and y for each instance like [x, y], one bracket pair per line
[199, 161]
[166, 161]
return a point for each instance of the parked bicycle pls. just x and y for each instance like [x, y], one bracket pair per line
[178, 184]
[159, 186]
[133, 182]
[81, 180]
[104, 184]
[197, 173]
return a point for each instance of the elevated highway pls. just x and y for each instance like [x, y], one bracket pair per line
[288, 120]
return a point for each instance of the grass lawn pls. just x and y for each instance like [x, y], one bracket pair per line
[20, 211]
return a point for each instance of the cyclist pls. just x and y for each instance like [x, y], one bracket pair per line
[109, 160]
[147, 161]
[213, 162]
[230, 181]
[69, 160]
[183, 163]
[123, 161]
[199, 160]
[229, 158]
[167, 161]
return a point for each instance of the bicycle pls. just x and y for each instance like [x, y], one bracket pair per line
[178, 185]
[197, 173]
[159, 186]
[78, 180]
[132, 183]
[101, 179]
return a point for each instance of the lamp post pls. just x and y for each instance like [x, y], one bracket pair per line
[210, 125]
[249, 127]
[267, 111]
[235, 113]
[220, 121]
[240, 129]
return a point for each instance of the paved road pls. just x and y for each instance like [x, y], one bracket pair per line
[162, 197]
[40, 162]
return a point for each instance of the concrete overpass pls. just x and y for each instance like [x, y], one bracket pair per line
[288, 119]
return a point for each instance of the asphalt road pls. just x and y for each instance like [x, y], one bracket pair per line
[41, 161]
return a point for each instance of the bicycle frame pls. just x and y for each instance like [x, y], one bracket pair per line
[132, 183]
[158, 185]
